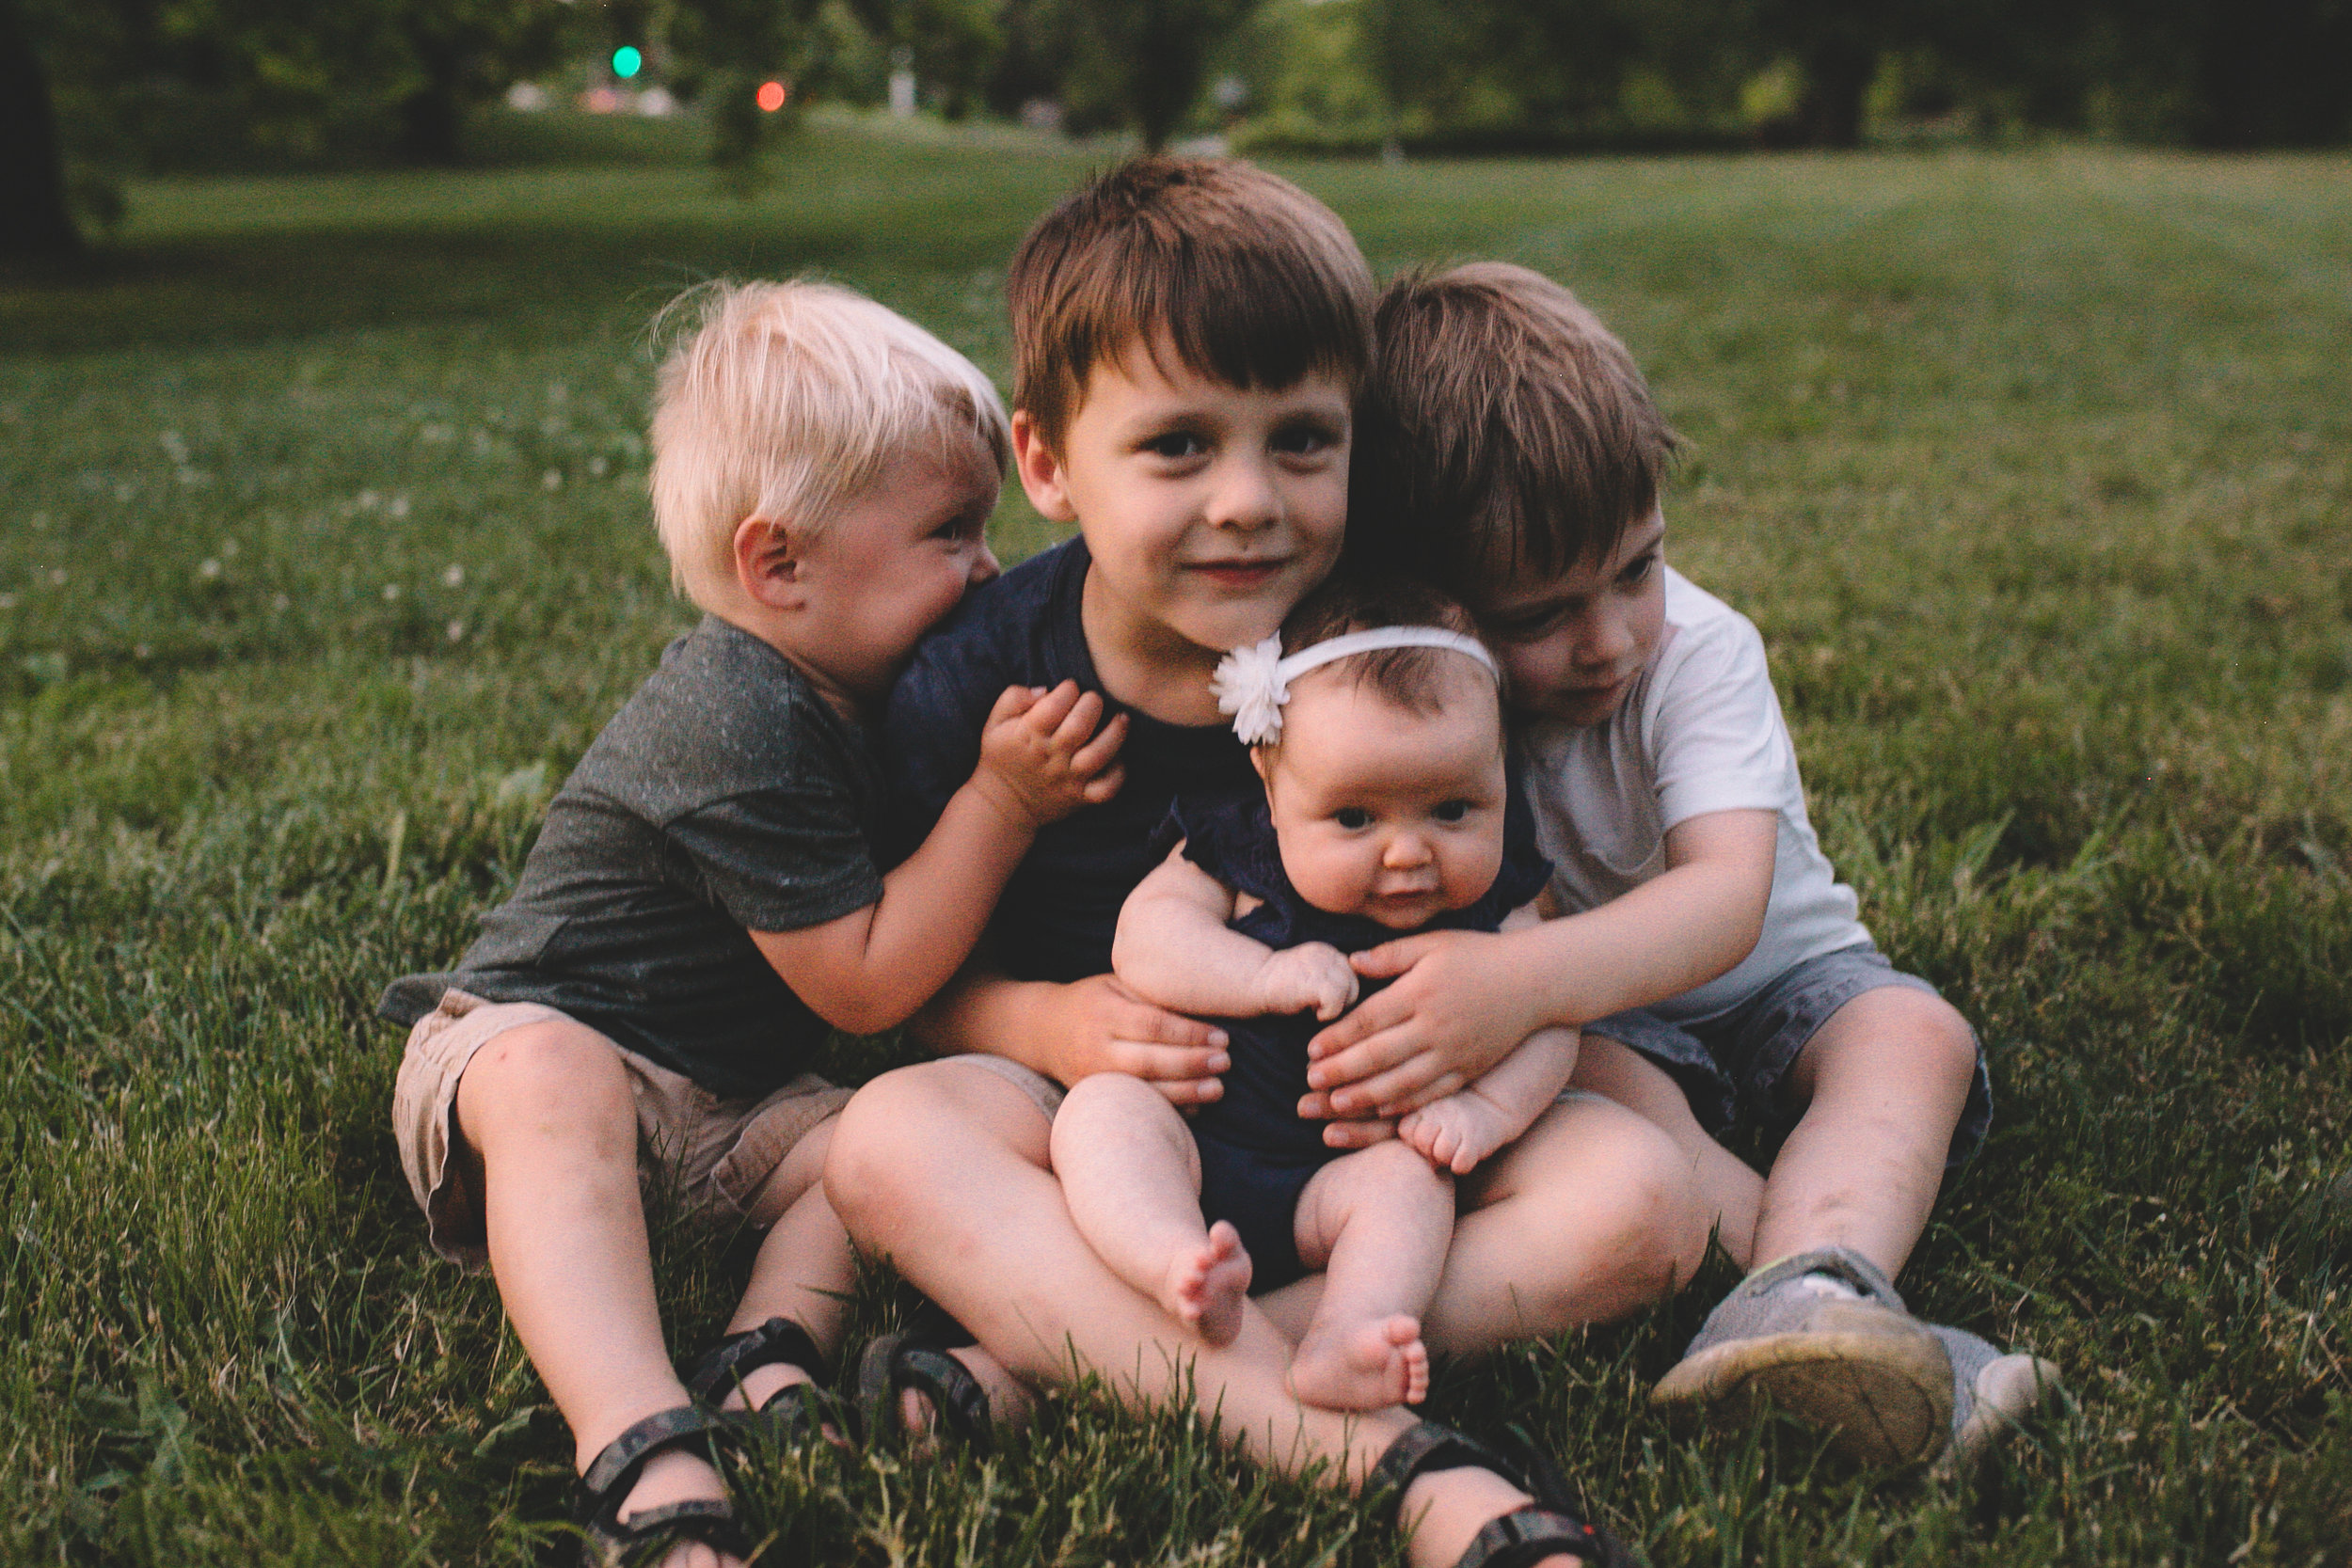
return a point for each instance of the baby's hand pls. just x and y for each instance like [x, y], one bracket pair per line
[1036, 761]
[1312, 975]
[1457, 1132]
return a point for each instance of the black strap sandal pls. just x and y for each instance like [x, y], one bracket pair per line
[1551, 1526]
[919, 1359]
[606, 1542]
[792, 1414]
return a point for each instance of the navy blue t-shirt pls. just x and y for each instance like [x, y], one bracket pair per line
[1061, 909]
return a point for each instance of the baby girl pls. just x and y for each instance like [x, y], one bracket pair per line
[1376, 724]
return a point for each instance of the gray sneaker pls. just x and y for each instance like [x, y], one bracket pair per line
[1861, 1368]
[1992, 1394]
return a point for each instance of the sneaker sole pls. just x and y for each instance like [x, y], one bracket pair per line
[1885, 1399]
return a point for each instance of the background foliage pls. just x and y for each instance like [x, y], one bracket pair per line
[328, 555]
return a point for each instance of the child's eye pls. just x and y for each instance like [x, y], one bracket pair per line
[1306, 439]
[1451, 811]
[1176, 445]
[1354, 818]
[1637, 571]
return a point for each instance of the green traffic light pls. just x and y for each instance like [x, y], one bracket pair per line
[627, 62]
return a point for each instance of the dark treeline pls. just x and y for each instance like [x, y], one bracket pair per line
[99, 90]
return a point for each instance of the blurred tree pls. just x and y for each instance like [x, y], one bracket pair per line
[1150, 57]
[445, 56]
[35, 221]
[724, 48]
[953, 46]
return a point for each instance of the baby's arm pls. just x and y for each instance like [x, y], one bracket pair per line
[1456, 1132]
[1174, 948]
[1040, 759]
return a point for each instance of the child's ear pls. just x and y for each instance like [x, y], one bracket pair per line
[1041, 471]
[770, 563]
[1261, 759]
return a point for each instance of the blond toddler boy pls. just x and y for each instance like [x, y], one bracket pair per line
[703, 902]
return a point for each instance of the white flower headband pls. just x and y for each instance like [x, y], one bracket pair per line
[1253, 681]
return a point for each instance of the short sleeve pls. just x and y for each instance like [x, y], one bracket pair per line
[783, 858]
[1230, 836]
[1716, 737]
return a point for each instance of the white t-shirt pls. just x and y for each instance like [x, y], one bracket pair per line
[1699, 732]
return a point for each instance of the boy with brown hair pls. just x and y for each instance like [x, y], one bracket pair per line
[1510, 449]
[704, 904]
[1191, 336]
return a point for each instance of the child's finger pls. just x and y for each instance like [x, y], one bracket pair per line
[1052, 708]
[1086, 711]
[1357, 1135]
[1390, 958]
[1399, 1089]
[1384, 1011]
[1103, 785]
[1196, 1091]
[1010, 703]
[1104, 746]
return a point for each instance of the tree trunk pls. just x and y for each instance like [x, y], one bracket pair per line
[1837, 78]
[432, 119]
[38, 223]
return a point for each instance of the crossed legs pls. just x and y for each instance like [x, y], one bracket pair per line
[947, 1171]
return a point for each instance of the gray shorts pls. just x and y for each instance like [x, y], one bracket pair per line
[1730, 1067]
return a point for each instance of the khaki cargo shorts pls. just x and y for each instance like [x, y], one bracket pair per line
[714, 1154]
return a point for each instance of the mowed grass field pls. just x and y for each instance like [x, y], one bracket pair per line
[325, 553]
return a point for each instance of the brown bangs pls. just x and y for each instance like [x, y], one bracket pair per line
[1503, 429]
[1243, 277]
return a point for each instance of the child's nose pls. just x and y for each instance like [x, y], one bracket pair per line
[1606, 638]
[1245, 497]
[984, 565]
[1405, 852]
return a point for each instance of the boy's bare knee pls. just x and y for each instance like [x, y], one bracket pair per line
[555, 1080]
[911, 1133]
[1650, 1224]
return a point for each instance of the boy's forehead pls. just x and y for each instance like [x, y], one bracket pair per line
[1503, 582]
[1153, 364]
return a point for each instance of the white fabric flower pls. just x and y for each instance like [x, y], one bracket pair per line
[1250, 686]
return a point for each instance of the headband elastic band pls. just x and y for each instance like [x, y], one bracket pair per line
[1253, 681]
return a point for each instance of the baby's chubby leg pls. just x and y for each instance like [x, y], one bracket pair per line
[1131, 1177]
[1378, 1222]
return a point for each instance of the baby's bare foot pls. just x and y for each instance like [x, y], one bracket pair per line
[1369, 1367]
[1205, 1289]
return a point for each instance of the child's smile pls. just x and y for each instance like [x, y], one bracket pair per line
[1209, 511]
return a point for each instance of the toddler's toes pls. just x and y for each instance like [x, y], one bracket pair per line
[1206, 1288]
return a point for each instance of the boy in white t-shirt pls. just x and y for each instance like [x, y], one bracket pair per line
[1509, 449]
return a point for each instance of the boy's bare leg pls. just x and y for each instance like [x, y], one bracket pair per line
[1377, 1223]
[805, 1268]
[1734, 1192]
[1131, 1177]
[546, 1114]
[946, 1170]
[1590, 1215]
[1884, 1081]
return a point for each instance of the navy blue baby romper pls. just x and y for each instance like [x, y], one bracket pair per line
[1257, 1153]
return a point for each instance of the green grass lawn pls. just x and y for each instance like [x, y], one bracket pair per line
[327, 553]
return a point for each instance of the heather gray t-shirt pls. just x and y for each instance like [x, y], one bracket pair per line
[724, 798]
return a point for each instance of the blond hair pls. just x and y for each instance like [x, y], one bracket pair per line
[783, 401]
[1250, 280]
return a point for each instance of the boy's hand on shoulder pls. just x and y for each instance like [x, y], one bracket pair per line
[1045, 753]
[1312, 976]
[1458, 1006]
[1456, 1132]
[1099, 1025]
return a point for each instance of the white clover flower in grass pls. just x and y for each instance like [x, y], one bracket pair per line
[391, 592]
[552, 479]
[455, 576]
[208, 568]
